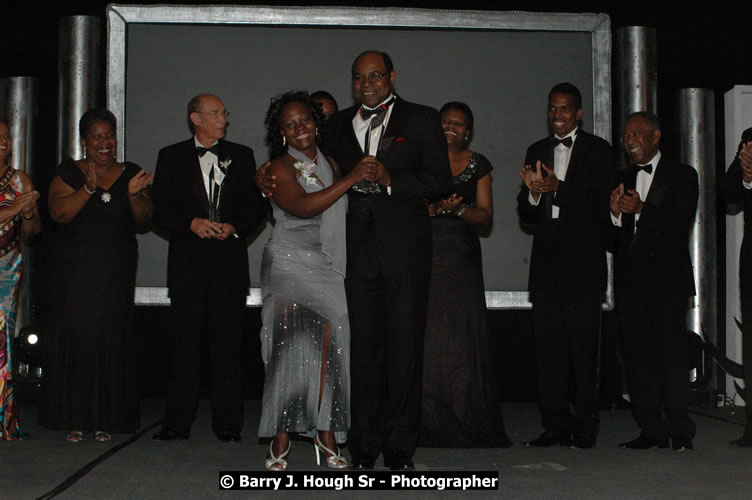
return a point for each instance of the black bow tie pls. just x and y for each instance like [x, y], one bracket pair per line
[567, 141]
[647, 168]
[202, 150]
[366, 113]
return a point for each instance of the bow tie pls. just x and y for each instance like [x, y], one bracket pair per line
[647, 168]
[202, 150]
[567, 141]
[366, 113]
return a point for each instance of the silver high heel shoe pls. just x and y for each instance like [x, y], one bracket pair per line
[279, 463]
[334, 461]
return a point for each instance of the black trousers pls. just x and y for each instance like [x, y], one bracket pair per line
[747, 357]
[566, 354]
[213, 306]
[387, 295]
[657, 360]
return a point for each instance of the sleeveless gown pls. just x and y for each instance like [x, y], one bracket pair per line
[303, 296]
[88, 374]
[460, 405]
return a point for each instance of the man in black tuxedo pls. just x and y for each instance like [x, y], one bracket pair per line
[567, 178]
[205, 197]
[389, 256]
[654, 207]
[736, 186]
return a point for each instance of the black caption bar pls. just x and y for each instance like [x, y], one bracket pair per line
[357, 480]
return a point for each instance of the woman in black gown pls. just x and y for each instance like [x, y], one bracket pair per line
[89, 383]
[460, 406]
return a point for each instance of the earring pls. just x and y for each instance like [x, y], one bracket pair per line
[317, 131]
[284, 140]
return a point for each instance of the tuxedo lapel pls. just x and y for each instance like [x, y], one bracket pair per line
[394, 129]
[577, 158]
[661, 179]
[194, 177]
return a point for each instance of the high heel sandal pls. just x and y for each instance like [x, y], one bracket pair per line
[102, 436]
[74, 436]
[334, 460]
[277, 463]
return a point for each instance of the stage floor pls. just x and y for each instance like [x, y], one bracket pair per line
[134, 466]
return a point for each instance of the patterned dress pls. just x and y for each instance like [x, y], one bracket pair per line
[11, 265]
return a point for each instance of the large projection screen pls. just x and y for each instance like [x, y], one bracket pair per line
[501, 63]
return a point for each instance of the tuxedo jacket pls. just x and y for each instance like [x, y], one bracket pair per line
[653, 261]
[569, 253]
[734, 192]
[179, 195]
[414, 151]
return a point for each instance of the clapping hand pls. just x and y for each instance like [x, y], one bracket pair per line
[745, 158]
[138, 182]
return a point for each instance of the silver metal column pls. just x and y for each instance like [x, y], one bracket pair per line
[18, 108]
[79, 61]
[696, 146]
[635, 77]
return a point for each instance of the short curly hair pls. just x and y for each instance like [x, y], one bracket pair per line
[274, 113]
[95, 115]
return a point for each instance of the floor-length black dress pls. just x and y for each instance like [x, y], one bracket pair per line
[460, 405]
[89, 380]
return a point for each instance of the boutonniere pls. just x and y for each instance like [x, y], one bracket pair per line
[225, 164]
[305, 170]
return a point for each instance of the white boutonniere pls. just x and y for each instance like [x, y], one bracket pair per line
[305, 170]
[225, 164]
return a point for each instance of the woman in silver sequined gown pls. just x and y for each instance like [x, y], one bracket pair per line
[305, 338]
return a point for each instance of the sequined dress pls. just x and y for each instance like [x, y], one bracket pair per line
[460, 405]
[89, 379]
[11, 264]
[302, 285]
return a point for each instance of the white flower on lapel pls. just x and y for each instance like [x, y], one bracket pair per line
[225, 164]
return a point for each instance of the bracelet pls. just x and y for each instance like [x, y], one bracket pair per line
[86, 188]
[134, 196]
[29, 218]
[461, 211]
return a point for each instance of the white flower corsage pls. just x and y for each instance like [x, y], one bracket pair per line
[305, 169]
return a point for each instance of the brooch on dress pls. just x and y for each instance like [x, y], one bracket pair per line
[106, 197]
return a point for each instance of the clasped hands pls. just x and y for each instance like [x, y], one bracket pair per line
[536, 183]
[25, 203]
[745, 158]
[446, 206]
[204, 229]
[625, 201]
[368, 168]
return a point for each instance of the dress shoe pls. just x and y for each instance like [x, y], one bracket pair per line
[168, 435]
[550, 438]
[643, 442]
[583, 440]
[403, 466]
[743, 442]
[682, 443]
[228, 436]
[361, 464]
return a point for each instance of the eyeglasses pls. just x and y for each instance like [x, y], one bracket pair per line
[635, 134]
[216, 113]
[372, 77]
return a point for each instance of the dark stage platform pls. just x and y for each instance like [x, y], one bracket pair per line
[134, 466]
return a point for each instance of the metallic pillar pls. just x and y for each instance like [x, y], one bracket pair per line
[695, 123]
[79, 62]
[18, 108]
[635, 77]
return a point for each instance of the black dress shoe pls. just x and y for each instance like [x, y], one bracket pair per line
[583, 440]
[402, 466]
[643, 442]
[743, 442]
[362, 465]
[228, 436]
[168, 435]
[682, 443]
[550, 438]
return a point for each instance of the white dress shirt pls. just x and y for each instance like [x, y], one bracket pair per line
[207, 162]
[562, 154]
[642, 186]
